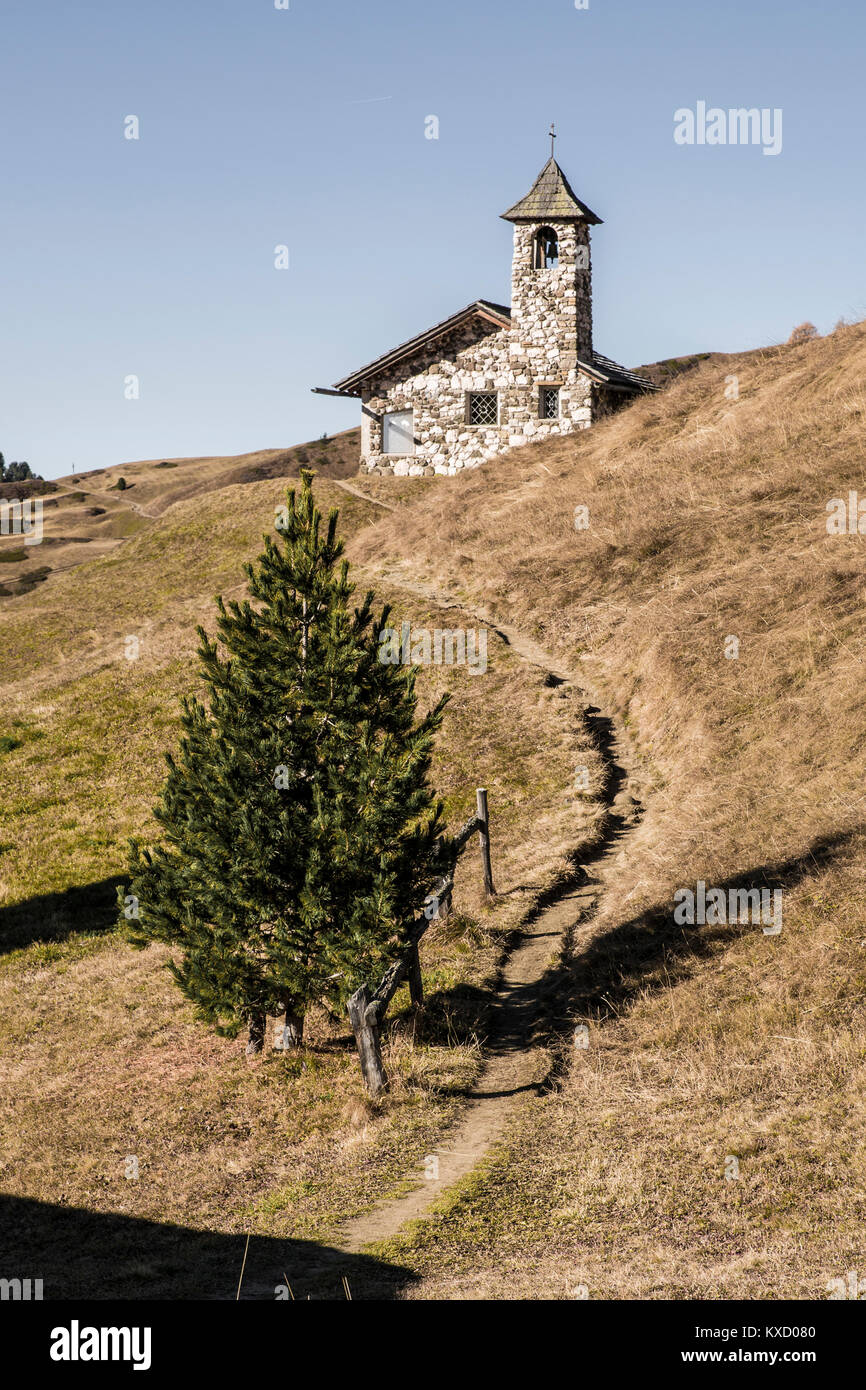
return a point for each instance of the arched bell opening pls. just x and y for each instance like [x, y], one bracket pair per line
[545, 249]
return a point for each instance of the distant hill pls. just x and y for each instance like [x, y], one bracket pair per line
[86, 515]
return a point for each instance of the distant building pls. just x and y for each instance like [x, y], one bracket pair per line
[490, 378]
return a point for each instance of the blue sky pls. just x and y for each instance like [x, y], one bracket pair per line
[306, 127]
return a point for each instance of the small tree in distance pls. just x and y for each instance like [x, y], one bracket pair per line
[299, 827]
[803, 333]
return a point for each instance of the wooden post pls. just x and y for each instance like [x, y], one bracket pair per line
[484, 840]
[416, 986]
[367, 1037]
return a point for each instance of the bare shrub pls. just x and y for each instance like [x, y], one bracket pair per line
[803, 333]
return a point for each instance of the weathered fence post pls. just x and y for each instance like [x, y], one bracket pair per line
[367, 1037]
[484, 840]
[413, 971]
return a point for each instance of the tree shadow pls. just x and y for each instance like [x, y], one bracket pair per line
[89, 907]
[81, 1254]
[448, 1017]
[651, 951]
[601, 979]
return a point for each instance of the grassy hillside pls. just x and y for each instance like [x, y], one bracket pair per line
[101, 1058]
[707, 521]
[707, 1043]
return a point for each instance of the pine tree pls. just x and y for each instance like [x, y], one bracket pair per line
[300, 831]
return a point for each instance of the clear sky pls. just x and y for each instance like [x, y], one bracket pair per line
[305, 127]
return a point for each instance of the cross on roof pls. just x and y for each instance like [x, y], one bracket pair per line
[552, 133]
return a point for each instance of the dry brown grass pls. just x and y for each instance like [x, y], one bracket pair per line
[707, 520]
[101, 1059]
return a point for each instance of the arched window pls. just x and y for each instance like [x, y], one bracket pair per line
[545, 250]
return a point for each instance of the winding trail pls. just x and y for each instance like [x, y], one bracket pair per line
[516, 1061]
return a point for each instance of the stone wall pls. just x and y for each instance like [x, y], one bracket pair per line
[551, 310]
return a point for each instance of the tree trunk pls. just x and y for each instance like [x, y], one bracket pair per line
[367, 1038]
[293, 1034]
[416, 987]
[257, 1034]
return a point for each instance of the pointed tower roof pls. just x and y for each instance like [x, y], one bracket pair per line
[551, 199]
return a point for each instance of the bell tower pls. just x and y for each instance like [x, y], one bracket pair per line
[551, 278]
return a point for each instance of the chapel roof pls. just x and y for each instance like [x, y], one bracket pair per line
[599, 368]
[609, 373]
[483, 310]
[551, 199]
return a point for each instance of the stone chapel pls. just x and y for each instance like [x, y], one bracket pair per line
[491, 378]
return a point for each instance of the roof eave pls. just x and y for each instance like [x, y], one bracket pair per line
[542, 217]
[640, 385]
[495, 314]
